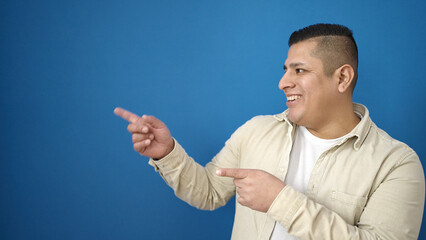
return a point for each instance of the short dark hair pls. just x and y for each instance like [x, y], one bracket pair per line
[336, 45]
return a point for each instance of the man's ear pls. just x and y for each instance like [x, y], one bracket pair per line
[345, 76]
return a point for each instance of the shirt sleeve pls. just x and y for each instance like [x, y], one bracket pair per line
[393, 211]
[197, 185]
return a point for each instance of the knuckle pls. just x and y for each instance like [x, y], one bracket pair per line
[140, 120]
[139, 147]
[243, 201]
[136, 147]
[137, 137]
[130, 127]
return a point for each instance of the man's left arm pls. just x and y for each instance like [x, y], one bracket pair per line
[393, 211]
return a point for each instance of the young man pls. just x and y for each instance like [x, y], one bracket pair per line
[320, 170]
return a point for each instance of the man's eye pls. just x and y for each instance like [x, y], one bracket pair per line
[299, 70]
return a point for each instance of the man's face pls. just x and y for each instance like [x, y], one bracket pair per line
[310, 93]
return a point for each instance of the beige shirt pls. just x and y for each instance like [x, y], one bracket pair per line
[368, 186]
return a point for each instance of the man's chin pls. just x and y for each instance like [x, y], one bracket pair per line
[292, 117]
[295, 117]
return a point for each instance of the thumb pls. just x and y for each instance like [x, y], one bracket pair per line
[153, 121]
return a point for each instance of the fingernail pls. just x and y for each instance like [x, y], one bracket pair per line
[218, 172]
[145, 129]
[147, 141]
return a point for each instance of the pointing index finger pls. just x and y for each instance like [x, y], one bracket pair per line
[232, 172]
[130, 117]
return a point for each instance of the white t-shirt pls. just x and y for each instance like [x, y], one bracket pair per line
[307, 148]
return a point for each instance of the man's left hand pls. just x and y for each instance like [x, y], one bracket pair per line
[257, 189]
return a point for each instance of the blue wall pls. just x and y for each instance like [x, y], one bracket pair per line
[68, 169]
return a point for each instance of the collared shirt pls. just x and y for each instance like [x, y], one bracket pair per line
[307, 148]
[368, 186]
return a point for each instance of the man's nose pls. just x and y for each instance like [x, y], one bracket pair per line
[286, 82]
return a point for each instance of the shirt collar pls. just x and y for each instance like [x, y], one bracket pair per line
[360, 131]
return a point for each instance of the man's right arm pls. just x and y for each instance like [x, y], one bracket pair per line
[197, 185]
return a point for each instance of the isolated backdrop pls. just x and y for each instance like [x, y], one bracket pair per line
[68, 169]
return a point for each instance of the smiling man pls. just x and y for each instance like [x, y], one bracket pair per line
[320, 170]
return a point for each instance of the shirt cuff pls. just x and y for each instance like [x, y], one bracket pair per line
[170, 160]
[285, 206]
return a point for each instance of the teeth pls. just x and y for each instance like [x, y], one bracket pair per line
[293, 97]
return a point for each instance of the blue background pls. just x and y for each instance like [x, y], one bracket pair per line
[68, 169]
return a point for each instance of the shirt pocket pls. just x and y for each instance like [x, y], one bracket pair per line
[348, 206]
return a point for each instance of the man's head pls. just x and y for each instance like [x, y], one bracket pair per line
[320, 74]
[335, 47]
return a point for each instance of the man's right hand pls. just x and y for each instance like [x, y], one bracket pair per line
[150, 136]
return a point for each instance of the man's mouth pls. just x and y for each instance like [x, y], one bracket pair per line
[293, 98]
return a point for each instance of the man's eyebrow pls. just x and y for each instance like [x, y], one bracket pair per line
[294, 65]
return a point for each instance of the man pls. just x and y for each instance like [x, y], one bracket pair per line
[320, 170]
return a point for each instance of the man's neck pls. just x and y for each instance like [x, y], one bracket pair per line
[338, 126]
